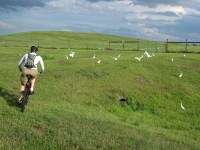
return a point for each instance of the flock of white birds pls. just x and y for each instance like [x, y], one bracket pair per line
[71, 54]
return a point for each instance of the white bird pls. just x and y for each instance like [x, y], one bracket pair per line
[67, 57]
[94, 56]
[184, 55]
[182, 106]
[172, 59]
[180, 75]
[139, 58]
[99, 61]
[146, 53]
[72, 54]
[116, 58]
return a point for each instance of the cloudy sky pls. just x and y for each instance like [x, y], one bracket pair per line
[149, 19]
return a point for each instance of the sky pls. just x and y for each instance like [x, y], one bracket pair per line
[176, 20]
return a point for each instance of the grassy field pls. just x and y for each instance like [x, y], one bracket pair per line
[77, 104]
[88, 41]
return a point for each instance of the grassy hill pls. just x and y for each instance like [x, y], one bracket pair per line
[77, 103]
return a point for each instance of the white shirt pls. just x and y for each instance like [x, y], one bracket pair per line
[38, 59]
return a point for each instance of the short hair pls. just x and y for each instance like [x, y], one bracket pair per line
[34, 49]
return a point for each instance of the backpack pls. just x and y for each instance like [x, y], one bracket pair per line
[30, 61]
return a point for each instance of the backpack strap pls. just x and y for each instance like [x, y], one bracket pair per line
[34, 58]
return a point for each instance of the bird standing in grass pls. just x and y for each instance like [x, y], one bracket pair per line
[180, 75]
[99, 61]
[139, 58]
[116, 58]
[182, 106]
[146, 53]
[72, 54]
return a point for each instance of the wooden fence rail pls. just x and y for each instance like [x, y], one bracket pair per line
[123, 42]
[186, 44]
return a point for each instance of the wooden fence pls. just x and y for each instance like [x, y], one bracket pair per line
[186, 43]
[138, 44]
[123, 42]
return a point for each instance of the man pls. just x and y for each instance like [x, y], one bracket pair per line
[29, 69]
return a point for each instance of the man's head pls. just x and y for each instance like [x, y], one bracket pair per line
[34, 49]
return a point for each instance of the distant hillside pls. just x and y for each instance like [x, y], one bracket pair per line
[95, 41]
[62, 39]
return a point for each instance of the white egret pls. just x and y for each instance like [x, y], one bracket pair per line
[94, 56]
[99, 61]
[72, 54]
[139, 58]
[146, 53]
[180, 75]
[116, 58]
[182, 106]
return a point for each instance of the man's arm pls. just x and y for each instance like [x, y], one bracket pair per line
[21, 62]
[42, 65]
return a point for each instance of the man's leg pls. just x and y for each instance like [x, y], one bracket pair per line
[21, 89]
[23, 80]
[34, 73]
[33, 84]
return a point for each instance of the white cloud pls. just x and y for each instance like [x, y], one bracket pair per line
[153, 17]
[56, 5]
[193, 11]
[72, 5]
[151, 31]
[4, 25]
[178, 10]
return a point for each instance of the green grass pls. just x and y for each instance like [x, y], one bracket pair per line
[77, 105]
[87, 41]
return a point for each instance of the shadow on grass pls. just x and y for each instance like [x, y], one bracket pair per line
[9, 96]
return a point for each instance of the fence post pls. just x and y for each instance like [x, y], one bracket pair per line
[166, 46]
[123, 43]
[138, 44]
[186, 45]
[147, 45]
